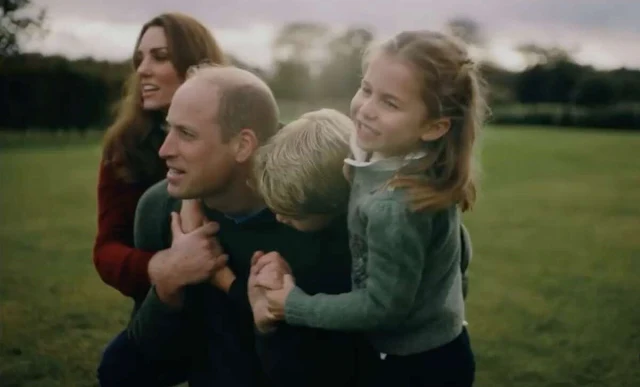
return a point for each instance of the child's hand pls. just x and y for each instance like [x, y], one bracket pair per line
[261, 261]
[262, 318]
[276, 299]
[270, 277]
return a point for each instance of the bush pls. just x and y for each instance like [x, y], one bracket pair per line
[622, 116]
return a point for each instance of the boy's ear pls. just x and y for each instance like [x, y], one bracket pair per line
[245, 144]
[436, 129]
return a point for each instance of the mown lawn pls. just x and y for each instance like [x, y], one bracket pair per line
[554, 280]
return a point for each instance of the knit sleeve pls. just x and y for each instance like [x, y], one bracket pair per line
[118, 263]
[395, 258]
[153, 218]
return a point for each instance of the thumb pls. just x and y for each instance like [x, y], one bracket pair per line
[256, 256]
[176, 225]
[220, 261]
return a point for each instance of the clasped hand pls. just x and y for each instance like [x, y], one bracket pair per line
[270, 282]
[195, 254]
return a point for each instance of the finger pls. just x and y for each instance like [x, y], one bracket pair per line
[263, 261]
[267, 283]
[251, 281]
[207, 229]
[273, 258]
[216, 247]
[284, 265]
[176, 226]
[273, 269]
[256, 256]
[271, 278]
[220, 261]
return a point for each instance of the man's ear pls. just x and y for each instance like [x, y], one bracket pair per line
[435, 129]
[246, 142]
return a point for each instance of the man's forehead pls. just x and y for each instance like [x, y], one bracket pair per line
[199, 88]
[194, 97]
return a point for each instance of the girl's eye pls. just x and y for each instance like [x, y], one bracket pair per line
[391, 104]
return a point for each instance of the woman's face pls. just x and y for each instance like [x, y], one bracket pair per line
[157, 76]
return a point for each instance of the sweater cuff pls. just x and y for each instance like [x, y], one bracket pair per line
[265, 335]
[297, 307]
[239, 295]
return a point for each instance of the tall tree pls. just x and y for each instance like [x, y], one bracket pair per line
[18, 22]
[299, 41]
[341, 74]
[535, 55]
[468, 30]
[297, 50]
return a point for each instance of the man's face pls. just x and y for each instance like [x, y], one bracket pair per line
[200, 163]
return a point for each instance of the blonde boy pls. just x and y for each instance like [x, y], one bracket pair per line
[299, 174]
[298, 171]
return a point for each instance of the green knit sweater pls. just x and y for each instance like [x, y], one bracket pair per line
[407, 282]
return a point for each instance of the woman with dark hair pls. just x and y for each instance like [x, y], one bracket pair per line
[165, 48]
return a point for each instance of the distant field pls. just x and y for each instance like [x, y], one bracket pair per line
[554, 280]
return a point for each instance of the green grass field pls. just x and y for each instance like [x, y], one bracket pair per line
[553, 280]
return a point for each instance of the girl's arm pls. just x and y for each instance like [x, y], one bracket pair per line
[395, 258]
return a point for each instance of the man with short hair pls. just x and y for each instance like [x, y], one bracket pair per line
[217, 120]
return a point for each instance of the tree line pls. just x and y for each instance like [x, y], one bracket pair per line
[313, 64]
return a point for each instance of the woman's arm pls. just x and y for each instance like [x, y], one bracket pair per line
[118, 263]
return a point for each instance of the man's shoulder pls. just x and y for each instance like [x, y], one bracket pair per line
[151, 226]
[158, 196]
[156, 204]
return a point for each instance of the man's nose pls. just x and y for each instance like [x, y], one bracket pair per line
[167, 149]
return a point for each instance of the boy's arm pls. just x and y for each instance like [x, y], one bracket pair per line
[395, 259]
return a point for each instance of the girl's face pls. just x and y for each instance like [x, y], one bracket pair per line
[157, 76]
[388, 110]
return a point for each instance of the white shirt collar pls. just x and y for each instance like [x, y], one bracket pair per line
[360, 158]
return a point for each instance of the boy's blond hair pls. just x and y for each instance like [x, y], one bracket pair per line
[298, 172]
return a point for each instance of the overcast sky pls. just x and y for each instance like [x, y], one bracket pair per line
[605, 33]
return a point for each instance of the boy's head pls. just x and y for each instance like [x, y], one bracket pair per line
[298, 171]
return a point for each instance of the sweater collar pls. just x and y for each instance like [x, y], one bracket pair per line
[360, 159]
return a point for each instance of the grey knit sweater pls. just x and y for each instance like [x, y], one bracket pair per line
[407, 283]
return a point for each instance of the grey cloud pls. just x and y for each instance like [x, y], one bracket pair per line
[383, 15]
[608, 26]
[603, 15]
